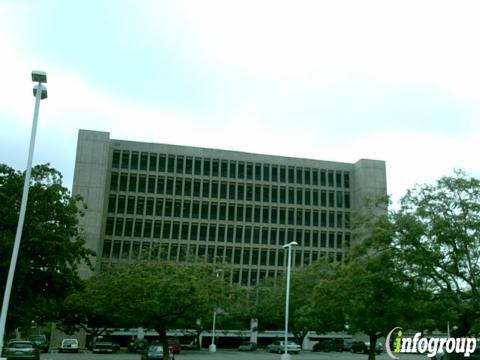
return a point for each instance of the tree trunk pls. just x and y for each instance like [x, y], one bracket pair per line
[373, 344]
[162, 332]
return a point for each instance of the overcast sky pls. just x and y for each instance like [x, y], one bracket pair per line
[329, 80]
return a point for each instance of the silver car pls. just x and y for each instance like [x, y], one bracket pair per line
[279, 347]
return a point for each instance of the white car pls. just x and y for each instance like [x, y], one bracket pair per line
[68, 345]
[279, 347]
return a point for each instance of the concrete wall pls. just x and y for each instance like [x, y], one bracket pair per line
[89, 181]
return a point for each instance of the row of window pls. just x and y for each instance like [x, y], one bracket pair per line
[131, 250]
[228, 169]
[166, 208]
[167, 230]
[233, 191]
[245, 276]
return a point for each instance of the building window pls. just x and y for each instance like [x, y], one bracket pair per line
[143, 161]
[162, 162]
[206, 167]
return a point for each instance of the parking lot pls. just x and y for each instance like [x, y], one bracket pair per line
[227, 355]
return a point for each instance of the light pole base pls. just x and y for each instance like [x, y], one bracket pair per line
[212, 348]
[286, 357]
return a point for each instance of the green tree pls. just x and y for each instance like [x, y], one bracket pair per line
[52, 245]
[438, 238]
[370, 289]
[158, 295]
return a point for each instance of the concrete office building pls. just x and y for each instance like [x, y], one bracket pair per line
[237, 208]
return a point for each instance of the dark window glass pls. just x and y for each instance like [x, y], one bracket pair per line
[198, 166]
[194, 232]
[149, 207]
[166, 230]
[187, 191]
[132, 184]
[137, 230]
[223, 211]
[230, 231]
[291, 216]
[128, 227]
[153, 162]
[264, 236]
[231, 191]
[206, 189]
[307, 197]
[273, 216]
[307, 217]
[315, 218]
[231, 212]
[112, 201]
[204, 210]
[186, 209]
[114, 181]
[203, 232]
[147, 229]
[323, 198]
[338, 179]
[331, 199]
[131, 205]
[346, 180]
[196, 188]
[123, 182]
[339, 219]
[266, 172]
[256, 235]
[151, 184]
[299, 217]
[265, 215]
[256, 214]
[177, 208]
[215, 167]
[331, 240]
[240, 213]
[184, 233]
[195, 210]
[160, 185]
[339, 202]
[223, 190]
[107, 245]
[171, 163]
[142, 183]
[347, 200]
[224, 168]
[213, 211]
[240, 192]
[323, 178]
[178, 186]
[299, 176]
[248, 234]
[274, 173]
[258, 191]
[159, 207]
[125, 157]
[221, 233]
[238, 234]
[233, 166]
[169, 186]
[282, 216]
[315, 198]
[140, 205]
[211, 234]
[266, 194]
[299, 197]
[116, 159]
[274, 194]
[214, 190]
[283, 176]
[315, 177]
[323, 219]
[283, 195]
[180, 165]
[168, 207]
[291, 175]
[188, 166]
[143, 161]
[248, 214]
[330, 178]
[331, 219]
[249, 171]
[291, 195]
[206, 167]
[241, 170]
[307, 176]
[134, 161]
[249, 194]
[121, 204]
[109, 226]
[161, 162]
[258, 172]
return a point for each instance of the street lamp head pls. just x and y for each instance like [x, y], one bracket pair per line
[43, 89]
[292, 243]
[39, 76]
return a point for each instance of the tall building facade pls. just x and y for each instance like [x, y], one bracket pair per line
[239, 209]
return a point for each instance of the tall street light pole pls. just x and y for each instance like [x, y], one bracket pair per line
[286, 355]
[213, 347]
[40, 92]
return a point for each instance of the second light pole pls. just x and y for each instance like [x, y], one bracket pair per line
[286, 355]
[213, 347]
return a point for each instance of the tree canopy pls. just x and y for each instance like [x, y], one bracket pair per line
[51, 248]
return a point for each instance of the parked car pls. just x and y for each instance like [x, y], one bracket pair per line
[248, 346]
[347, 344]
[279, 347]
[20, 349]
[323, 345]
[138, 345]
[103, 345]
[40, 342]
[378, 347]
[174, 345]
[155, 352]
[335, 344]
[358, 347]
[69, 345]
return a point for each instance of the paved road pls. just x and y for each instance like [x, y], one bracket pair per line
[227, 355]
